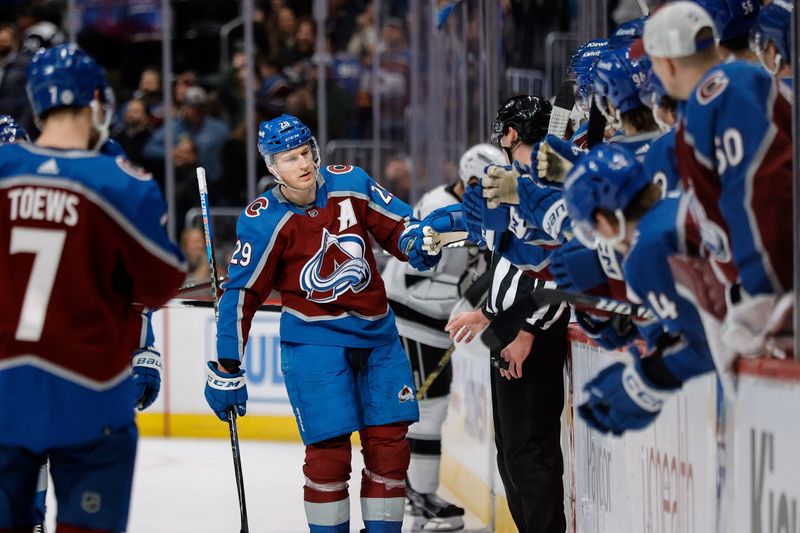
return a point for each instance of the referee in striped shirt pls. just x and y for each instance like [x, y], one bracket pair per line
[528, 349]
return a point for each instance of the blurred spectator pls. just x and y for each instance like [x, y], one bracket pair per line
[185, 158]
[149, 92]
[232, 189]
[342, 22]
[397, 177]
[231, 89]
[13, 76]
[37, 32]
[365, 38]
[193, 245]
[271, 96]
[284, 38]
[303, 47]
[392, 85]
[208, 133]
[135, 132]
[183, 81]
[301, 103]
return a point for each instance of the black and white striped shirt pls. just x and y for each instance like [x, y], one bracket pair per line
[509, 285]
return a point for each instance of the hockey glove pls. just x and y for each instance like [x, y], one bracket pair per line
[542, 207]
[443, 226]
[611, 334]
[500, 184]
[412, 243]
[471, 206]
[621, 397]
[575, 267]
[554, 158]
[146, 372]
[224, 390]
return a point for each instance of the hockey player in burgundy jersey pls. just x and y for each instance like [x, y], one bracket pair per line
[81, 240]
[734, 153]
[345, 370]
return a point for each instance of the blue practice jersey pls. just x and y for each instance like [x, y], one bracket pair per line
[320, 260]
[81, 241]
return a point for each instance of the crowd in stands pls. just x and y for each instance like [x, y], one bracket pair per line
[208, 110]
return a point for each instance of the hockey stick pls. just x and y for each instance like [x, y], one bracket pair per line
[597, 126]
[562, 109]
[435, 372]
[640, 313]
[212, 263]
[496, 337]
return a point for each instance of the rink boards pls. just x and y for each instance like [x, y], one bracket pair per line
[661, 480]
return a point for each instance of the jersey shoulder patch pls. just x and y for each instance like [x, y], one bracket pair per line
[131, 169]
[349, 178]
[711, 87]
[254, 209]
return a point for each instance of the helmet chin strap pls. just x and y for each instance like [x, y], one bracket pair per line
[103, 126]
[509, 151]
[618, 241]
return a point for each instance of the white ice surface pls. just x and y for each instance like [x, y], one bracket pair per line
[187, 486]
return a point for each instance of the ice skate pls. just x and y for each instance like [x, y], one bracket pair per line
[432, 513]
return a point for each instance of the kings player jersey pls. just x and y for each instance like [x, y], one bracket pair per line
[734, 153]
[319, 258]
[81, 241]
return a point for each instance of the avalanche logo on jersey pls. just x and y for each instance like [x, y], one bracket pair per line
[338, 266]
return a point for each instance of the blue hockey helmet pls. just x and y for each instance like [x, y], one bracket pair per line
[66, 76]
[608, 177]
[11, 131]
[627, 32]
[733, 18]
[580, 70]
[652, 90]
[618, 80]
[774, 24]
[283, 133]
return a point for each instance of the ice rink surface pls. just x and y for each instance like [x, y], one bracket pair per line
[187, 486]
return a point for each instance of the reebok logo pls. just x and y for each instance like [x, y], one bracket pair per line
[48, 167]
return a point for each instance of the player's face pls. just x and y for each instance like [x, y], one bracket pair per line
[296, 168]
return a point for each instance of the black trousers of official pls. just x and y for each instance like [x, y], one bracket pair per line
[527, 426]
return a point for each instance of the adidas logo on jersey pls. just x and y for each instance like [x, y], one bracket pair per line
[48, 167]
